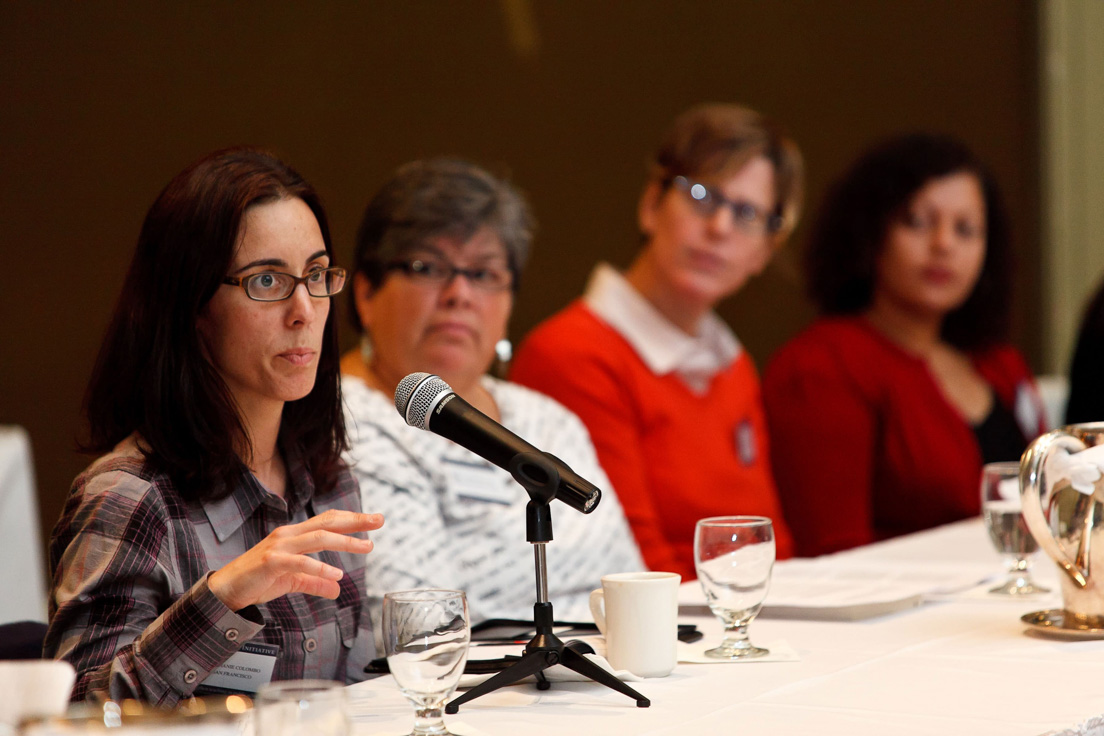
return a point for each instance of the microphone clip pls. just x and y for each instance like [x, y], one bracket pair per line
[537, 473]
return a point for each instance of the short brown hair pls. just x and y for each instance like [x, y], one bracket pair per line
[439, 196]
[719, 139]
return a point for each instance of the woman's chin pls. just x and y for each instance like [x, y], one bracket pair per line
[459, 370]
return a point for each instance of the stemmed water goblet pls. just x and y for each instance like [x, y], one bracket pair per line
[426, 635]
[734, 556]
[1000, 507]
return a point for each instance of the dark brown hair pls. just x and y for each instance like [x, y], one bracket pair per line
[152, 375]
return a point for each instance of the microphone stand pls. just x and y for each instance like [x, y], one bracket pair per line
[538, 475]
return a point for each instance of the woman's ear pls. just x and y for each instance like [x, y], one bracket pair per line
[363, 293]
[647, 208]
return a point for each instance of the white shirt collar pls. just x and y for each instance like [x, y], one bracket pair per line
[662, 346]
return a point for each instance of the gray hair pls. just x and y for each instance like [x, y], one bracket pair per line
[440, 196]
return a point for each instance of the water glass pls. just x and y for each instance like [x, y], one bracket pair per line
[1000, 507]
[301, 708]
[734, 556]
[426, 635]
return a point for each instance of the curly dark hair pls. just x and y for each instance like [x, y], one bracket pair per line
[152, 375]
[850, 230]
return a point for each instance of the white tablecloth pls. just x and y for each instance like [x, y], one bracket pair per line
[22, 567]
[963, 665]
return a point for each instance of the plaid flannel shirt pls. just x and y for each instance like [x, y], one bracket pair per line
[130, 608]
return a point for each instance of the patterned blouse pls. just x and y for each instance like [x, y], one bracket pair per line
[452, 520]
[130, 608]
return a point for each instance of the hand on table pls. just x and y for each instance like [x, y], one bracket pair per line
[279, 564]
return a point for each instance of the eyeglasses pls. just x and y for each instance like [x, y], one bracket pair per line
[491, 277]
[273, 286]
[707, 200]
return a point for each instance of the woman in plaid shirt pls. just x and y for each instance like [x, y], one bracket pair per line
[221, 526]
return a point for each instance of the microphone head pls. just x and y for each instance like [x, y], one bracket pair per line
[416, 395]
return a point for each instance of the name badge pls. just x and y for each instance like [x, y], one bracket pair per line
[477, 482]
[746, 448]
[244, 672]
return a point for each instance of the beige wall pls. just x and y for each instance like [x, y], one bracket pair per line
[1072, 143]
[101, 105]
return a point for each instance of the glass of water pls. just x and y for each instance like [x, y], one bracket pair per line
[426, 635]
[1000, 507]
[734, 556]
[301, 708]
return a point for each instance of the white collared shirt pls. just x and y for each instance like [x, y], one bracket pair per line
[662, 346]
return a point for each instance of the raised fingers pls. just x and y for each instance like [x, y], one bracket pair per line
[312, 577]
[342, 522]
[318, 540]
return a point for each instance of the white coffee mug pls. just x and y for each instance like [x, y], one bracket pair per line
[637, 612]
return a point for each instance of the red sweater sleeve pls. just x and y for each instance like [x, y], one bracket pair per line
[822, 438]
[578, 372]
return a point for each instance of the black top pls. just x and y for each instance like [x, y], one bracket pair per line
[999, 436]
[1086, 398]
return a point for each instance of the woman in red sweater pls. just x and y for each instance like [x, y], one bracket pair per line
[883, 411]
[670, 398]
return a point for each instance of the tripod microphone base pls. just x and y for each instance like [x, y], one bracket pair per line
[535, 662]
[538, 475]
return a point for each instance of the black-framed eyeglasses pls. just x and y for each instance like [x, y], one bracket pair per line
[707, 200]
[489, 277]
[274, 286]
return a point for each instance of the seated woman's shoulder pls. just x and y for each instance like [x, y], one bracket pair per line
[116, 487]
[1003, 358]
[123, 471]
[827, 342]
[356, 394]
[515, 398]
[574, 346]
[574, 330]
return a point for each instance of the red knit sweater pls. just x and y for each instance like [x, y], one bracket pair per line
[864, 444]
[674, 456]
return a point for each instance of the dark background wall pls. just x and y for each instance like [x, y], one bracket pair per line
[101, 106]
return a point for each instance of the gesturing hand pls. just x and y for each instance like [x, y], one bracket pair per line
[278, 564]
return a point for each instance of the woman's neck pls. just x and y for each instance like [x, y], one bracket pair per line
[261, 454]
[375, 374]
[646, 277]
[917, 333]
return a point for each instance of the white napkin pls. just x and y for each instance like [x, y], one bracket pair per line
[34, 688]
[1082, 469]
[1009, 490]
[981, 593]
[780, 651]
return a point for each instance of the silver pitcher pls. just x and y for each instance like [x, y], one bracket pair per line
[1062, 512]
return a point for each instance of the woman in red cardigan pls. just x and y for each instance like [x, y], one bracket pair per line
[670, 398]
[883, 411]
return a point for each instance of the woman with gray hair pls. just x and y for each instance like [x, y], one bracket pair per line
[438, 258]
